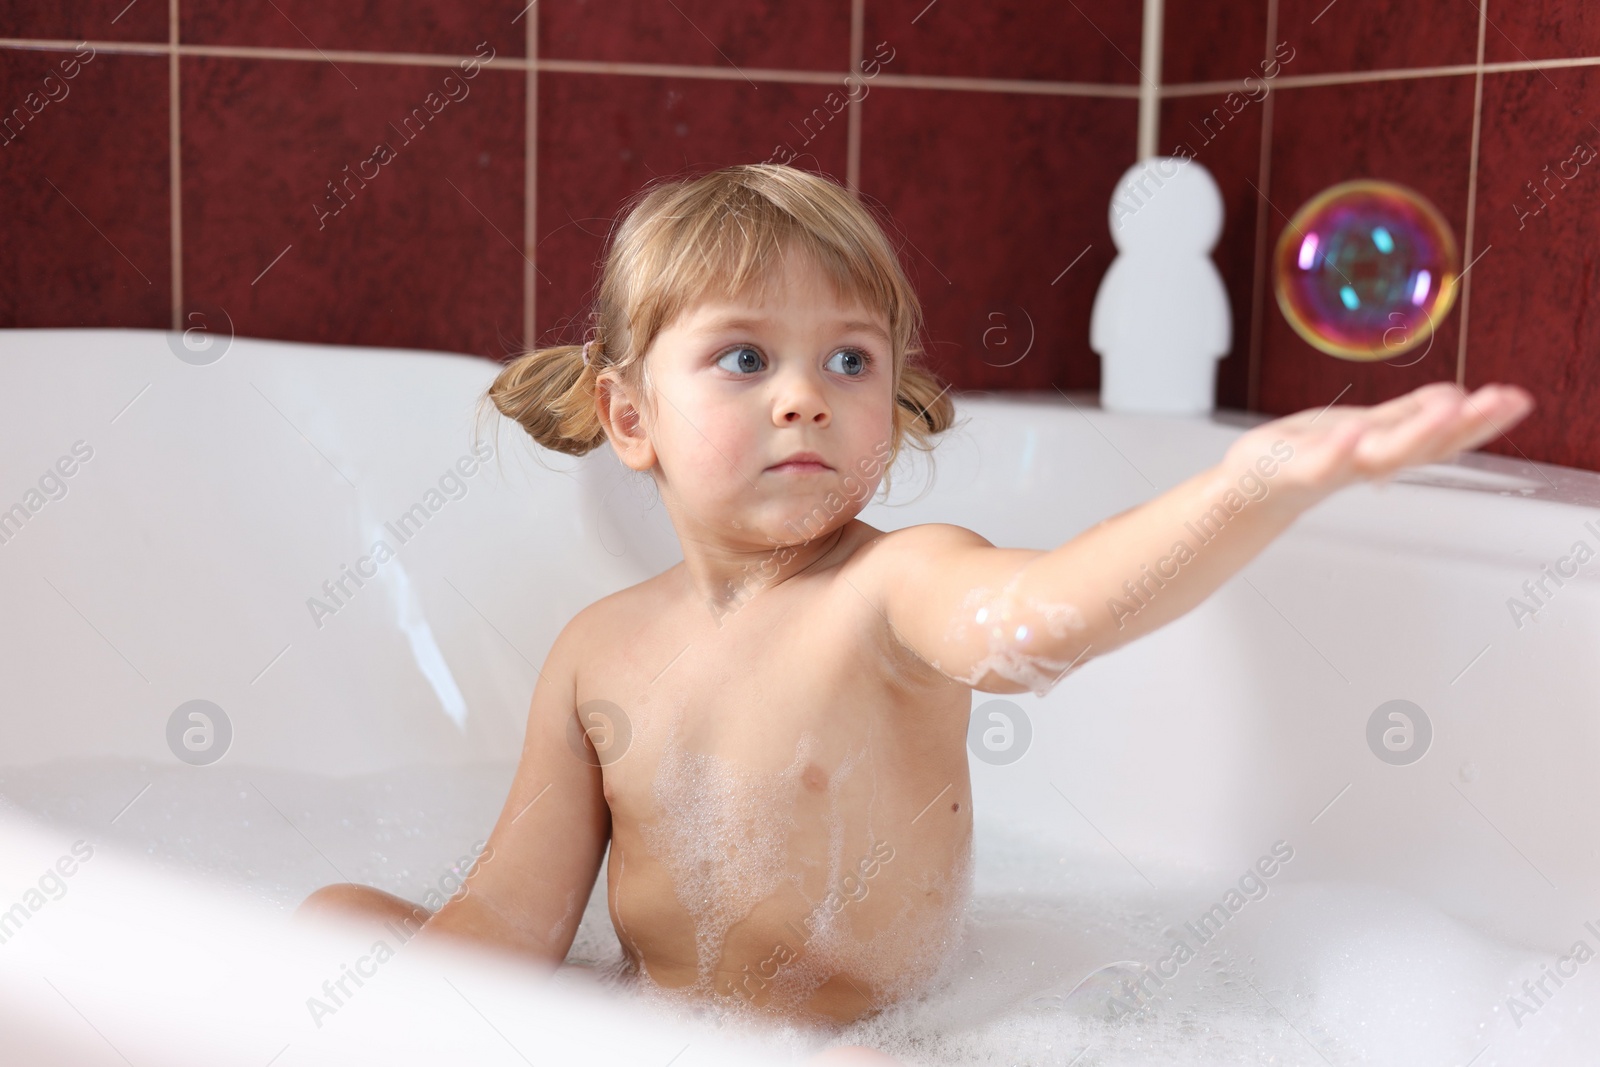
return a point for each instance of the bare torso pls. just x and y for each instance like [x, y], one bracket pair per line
[791, 817]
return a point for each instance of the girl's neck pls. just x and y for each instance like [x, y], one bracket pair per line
[727, 583]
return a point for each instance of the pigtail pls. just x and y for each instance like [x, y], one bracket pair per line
[549, 392]
[923, 408]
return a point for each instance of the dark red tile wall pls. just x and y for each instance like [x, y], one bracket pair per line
[86, 230]
[1337, 36]
[991, 138]
[403, 250]
[1008, 291]
[1211, 40]
[97, 20]
[1535, 316]
[428, 26]
[1385, 89]
[760, 34]
[1093, 41]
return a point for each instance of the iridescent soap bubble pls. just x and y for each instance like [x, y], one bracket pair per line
[1366, 270]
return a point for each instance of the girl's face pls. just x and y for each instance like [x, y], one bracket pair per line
[739, 388]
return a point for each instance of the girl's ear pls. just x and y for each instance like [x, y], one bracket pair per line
[619, 417]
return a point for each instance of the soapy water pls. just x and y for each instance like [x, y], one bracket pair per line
[1003, 625]
[1312, 973]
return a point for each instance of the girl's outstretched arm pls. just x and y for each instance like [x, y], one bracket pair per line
[527, 892]
[1015, 620]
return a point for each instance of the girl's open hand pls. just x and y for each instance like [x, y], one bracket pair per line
[1336, 446]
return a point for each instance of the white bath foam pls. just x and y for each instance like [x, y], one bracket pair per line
[1358, 974]
[1041, 924]
[1313, 973]
[278, 834]
[1004, 625]
[1394, 981]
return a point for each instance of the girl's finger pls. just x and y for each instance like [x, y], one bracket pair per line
[1401, 408]
[1491, 411]
[1390, 446]
[1340, 444]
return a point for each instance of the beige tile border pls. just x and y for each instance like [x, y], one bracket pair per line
[1150, 97]
[1472, 198]
[1311, 81]
[852, 165]
[814, 77]
[174, 165]
[1258, 273]
[530, 189]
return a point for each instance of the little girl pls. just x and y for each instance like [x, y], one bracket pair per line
[771, 735]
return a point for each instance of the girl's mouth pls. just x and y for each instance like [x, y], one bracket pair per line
[801, 463]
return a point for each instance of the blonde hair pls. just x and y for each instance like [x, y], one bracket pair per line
[719, 235]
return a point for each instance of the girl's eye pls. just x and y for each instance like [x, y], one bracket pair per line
[748, 359]
[855, 363]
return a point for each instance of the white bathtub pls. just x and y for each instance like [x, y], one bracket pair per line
[373, 737]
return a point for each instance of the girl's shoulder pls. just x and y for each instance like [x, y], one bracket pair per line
[649, 595]
[888, 550]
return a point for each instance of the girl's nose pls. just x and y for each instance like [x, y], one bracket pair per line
[807, 412]
[802, 401]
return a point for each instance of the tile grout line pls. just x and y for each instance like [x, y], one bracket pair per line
[579, 66]
[1472, 198]
[1102, 90]
[1363, 77]
[1320, 81]
[1112, 90]
[1105, 90]
[1151, 40]
[852, 164]
[1258, 272]
[530, 185]
[174, 165]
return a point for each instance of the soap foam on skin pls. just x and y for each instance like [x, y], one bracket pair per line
[1005, 627]
[904, 957]
[716, 839]
[902, 961]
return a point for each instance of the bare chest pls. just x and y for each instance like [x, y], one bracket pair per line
[748, 686]
[791, 781]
